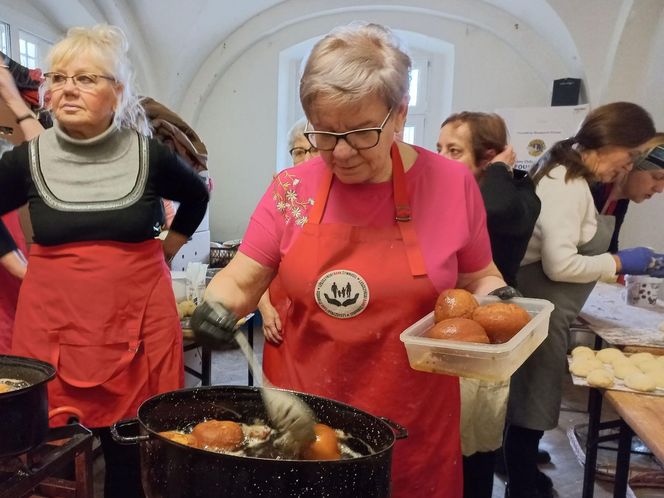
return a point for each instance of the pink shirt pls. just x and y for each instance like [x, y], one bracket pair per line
[447, 209]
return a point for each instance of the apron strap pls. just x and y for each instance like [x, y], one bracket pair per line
[316, 213]
[402, 211]
[403, 215]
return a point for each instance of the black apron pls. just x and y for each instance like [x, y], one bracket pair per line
[536, 387]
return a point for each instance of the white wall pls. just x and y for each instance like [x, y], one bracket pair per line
[242, 148]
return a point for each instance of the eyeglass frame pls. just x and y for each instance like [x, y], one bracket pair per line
[339, 136]
[50, 74]
[310, 150]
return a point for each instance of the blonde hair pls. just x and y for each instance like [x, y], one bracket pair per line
[108, 46]
[352, 62]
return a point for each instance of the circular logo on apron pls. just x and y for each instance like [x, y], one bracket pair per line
[342, 293]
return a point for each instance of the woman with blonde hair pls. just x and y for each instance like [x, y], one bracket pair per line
[96, 300]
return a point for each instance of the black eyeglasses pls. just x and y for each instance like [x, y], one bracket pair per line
[360, 139]
[299, 152]
[82, 81]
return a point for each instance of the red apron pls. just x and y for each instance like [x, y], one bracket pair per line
[347, 347]
[103, 313]
[9, 285]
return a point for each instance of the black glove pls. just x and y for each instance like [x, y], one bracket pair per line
[213, 325]
[505, 293]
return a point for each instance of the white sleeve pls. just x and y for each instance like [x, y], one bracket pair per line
[565, 208]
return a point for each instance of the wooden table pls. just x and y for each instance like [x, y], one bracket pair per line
[631, 329]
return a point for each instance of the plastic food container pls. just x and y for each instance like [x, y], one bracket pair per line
[479, 361]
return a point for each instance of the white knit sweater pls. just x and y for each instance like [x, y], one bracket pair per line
[567, 220]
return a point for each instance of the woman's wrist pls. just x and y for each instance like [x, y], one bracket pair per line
[618, 263]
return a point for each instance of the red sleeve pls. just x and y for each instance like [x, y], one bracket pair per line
[262, 240]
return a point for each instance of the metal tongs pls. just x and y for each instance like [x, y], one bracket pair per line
[288, 413]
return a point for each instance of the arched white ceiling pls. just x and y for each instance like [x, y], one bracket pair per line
[180, 48]
[529, 40]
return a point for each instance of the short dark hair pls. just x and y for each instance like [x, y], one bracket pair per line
[487, 131]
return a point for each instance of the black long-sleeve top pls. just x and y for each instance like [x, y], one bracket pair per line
[601, 193]
[167, 176]
[512, 208]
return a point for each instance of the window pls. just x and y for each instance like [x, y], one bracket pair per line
[413, 132]
[4, 38]
[32, 49]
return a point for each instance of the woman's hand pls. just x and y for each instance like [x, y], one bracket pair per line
[9, 93]
[14, 262]
[271, 320]
[507, 156]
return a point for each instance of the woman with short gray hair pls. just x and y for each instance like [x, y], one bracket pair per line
[364, 238]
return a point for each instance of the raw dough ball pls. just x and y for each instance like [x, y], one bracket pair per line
[658, 377]
[650, 365]
[661, 359]
[640, 382]
[600, 377]
[583, 366]
[582, 352]
[638, 358]
[623, 360]
[454, 303]
[624, 369]
[607, 355]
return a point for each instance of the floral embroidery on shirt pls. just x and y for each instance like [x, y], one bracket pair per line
[288, 202]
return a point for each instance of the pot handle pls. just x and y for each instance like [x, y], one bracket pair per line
[400, 432]
[126, 440]
[65, 410]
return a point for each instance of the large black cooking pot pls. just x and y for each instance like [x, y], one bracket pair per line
[171, 470]
[24, 411]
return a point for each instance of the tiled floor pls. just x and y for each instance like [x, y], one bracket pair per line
[230, 368]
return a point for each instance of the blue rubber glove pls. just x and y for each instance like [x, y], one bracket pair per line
[635, 261]
[656, 268]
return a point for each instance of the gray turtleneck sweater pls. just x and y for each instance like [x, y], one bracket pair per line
[105, 188]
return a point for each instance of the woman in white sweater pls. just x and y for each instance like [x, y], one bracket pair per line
[566, 255]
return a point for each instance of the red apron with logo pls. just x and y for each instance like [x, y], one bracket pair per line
[9, 285]
[353, 290]
[103, 313]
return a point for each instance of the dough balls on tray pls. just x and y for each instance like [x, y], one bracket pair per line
[600, 377]
[608, 355]
[641, 372]
[640, 382]
[582, 351]
[581, 367]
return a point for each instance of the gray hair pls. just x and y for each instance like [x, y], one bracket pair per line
[296, 131]
[108, 46]
[352, 62]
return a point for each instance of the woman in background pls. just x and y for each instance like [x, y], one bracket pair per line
[97, 300]
[300, 151]
[566, 256]
[479, 140]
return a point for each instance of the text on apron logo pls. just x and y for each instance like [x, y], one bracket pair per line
[342, 293]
